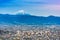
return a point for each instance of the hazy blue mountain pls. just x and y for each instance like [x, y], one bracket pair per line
[28, 19]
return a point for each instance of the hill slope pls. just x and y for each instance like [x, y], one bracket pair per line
[28, 19]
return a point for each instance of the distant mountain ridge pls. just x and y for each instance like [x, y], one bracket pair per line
[28, 19]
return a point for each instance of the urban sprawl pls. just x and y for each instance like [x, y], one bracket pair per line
[29, 32]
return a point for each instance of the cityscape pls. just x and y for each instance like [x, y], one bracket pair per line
[30, 32]
[29, 19]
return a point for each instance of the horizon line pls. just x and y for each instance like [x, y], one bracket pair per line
[31, 15]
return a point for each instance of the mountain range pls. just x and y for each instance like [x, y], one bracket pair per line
[28, 19]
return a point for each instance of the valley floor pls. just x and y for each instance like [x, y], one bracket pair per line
[29, 32]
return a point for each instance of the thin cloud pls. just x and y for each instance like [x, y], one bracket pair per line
[52, 7]
[35, 2]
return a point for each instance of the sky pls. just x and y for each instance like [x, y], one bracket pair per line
[33, 7]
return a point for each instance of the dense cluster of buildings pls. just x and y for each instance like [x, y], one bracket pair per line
[31, 32]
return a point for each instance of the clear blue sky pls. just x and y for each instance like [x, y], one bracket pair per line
[34, 7]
